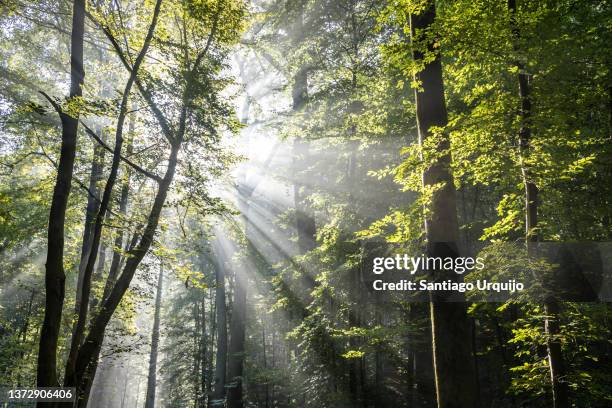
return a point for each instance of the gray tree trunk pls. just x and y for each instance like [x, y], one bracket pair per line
[152, 378]
[217, 397]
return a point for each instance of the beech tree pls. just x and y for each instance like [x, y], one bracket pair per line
[266, 153]
[449, 321]
[55, 276]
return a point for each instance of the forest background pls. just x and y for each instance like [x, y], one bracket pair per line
[191, 192]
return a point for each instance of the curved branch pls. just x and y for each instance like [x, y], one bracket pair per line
[133, 165]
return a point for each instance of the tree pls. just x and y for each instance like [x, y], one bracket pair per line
[452, 353]
[152, 379]
[55, 277]
[218, 395]
[104, 205]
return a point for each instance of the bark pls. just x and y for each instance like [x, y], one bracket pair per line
[217, 396]
[104, 206]
[54, 270]
[304, 221]
[452, 354]
[422, 378]
[152, 379]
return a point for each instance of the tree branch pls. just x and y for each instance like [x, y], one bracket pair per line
[159, 116]
[125, 159]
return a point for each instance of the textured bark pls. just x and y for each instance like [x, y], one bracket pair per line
[54, 269]
[453, 364]
[152, 379]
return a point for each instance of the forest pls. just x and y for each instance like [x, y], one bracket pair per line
[193, 194]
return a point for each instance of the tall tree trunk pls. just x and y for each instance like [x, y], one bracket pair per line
[556, 361]
[203, 356]
[152, 378]
[197, 356]
[105, 205]
[55, 277]
[452, 354]
[304, 221]
[210, 350]
[126, 381]
[218, 394]
[86, 363]
[236, 346]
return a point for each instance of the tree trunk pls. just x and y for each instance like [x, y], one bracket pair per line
[105, 205]
[218, 395]
[93, 199]
[304, 221]
[197, 355]
[89, 352]
[556, 362]
[551, 307]
[123, 206]
[55, 277]
[126, 380]
[152, 379]
[452, 354]
[236, 346]
[203, 356]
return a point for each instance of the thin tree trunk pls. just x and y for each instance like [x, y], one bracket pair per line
[218, 394]
[197, 357]
[236, 345]
[304, 222]
[452, 354]
[238, 322]
[89, 352]
[265, 362]
[93, 199]
[213, 331]
[203, 357]
[126, 381]
[123, 205]
[55, 277]
[556, 361]
[152, 379]
[79, 332]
